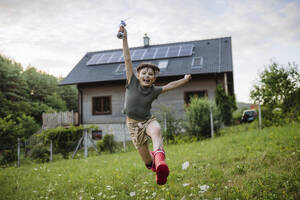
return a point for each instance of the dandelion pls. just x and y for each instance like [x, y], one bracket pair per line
[185, 165]
[185, 184]
[132, 194]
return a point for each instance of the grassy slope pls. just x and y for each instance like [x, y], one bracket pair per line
[239, 165]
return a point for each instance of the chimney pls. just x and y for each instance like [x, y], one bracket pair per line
[146, 40]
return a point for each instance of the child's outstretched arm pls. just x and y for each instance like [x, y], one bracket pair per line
[127, 58]
[175, 84]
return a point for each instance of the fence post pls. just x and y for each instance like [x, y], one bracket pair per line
[259, 115]
[124, 138]
[211, 123]
[18, 152]
[85, 144]
[51, 155]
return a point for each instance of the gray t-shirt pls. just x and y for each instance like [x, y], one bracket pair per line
[138, 100]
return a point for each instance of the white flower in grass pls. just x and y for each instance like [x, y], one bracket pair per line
[185, 165]
[132, 194]
[108, 187]
[113, 196]
[204, 188]
[183, 198]
[99, 194]
[154, 194]
[80, 198]
[92, 198]
[185, 184]
[35, 169]
[145, 182]
[59, 174]
[218, 198]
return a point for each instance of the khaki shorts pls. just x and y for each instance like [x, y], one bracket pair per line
[137, 130]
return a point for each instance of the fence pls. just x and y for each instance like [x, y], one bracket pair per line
[53, 120]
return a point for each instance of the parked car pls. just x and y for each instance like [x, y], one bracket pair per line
[249, 116]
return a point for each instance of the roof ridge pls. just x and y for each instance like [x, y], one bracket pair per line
[155, 45]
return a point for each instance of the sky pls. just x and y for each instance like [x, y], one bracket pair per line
[53, 35]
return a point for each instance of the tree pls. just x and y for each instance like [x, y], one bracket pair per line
[275, 84]
[226, 105]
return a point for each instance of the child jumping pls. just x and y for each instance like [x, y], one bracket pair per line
[139, 95]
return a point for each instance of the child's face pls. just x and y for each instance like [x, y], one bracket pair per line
[146, 77]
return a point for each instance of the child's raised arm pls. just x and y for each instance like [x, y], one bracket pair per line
[175, 84]
[127, 58]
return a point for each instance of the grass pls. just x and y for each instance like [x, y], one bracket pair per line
[240, 164]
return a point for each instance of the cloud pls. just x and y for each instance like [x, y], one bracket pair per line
[56, 34]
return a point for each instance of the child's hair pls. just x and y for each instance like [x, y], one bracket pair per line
[144, 65]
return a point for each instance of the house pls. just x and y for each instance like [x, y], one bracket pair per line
[100, 79]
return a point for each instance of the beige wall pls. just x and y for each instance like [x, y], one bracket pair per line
[115, 122]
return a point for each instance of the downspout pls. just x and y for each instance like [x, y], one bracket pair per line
[81, 106]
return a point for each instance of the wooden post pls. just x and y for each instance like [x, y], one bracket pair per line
[51, 146]
[18, 152]
[211, 123]
[225, 83]
[85, 143]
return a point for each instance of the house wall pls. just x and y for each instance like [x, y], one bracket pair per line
[115, 123]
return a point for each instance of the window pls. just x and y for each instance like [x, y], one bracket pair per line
[101, 105]
[162, 65]
[189, 95]
[97, 135]
[197, 62]
[120, 69]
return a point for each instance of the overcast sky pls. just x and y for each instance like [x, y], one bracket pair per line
[53, 35]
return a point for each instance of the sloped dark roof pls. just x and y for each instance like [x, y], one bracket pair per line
[216, 54]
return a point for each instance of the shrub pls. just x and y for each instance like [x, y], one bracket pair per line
[198, 117]
[64, 139]
[226, 105]
[7, 156]
[107, 143]
[40, 153]
[166, 117]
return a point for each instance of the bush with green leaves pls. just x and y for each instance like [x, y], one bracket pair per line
[64, 140]
[170, 126]
[198, 117]
[107, 143]
[226, 104]
[40, 153]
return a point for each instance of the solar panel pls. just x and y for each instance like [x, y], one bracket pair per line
[116, 57]
[94, 59]
[138, 54]
[104, 58]
[143, 54]
[173, 51]
[186, 50]
[161, 52]
[149, 54]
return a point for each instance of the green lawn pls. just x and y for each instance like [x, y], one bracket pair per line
[239, 164]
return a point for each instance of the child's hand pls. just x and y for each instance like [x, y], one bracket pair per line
[123, 30]
[187, 77]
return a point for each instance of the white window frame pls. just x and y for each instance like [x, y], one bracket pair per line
[163, 65]
[201, 62]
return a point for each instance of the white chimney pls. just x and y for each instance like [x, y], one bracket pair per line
[146, 40]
